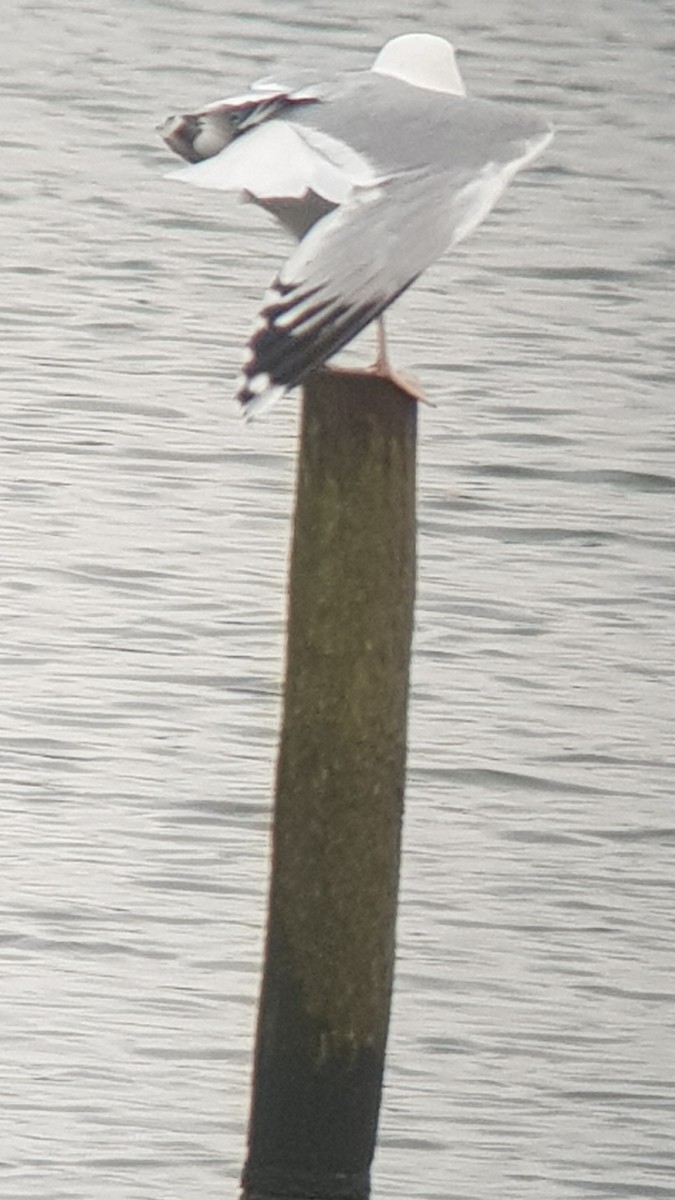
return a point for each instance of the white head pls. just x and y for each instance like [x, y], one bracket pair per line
[423, 60]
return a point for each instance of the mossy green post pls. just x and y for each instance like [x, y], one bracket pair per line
[324, 1008]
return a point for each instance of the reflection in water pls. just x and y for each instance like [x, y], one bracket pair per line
[144, 538]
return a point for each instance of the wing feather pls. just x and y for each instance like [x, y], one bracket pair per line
[277, 160]
[357, 260]
[347, 270]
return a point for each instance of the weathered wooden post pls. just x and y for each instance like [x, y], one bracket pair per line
[326, 993]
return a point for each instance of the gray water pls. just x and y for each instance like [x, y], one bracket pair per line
[143, 554]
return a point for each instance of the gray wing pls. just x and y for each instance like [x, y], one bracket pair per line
[356, 261]
[347, 270]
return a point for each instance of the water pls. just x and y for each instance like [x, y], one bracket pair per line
[143, 549]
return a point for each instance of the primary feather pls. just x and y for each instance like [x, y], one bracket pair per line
[376, 179]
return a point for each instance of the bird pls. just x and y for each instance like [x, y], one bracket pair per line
[375, 177]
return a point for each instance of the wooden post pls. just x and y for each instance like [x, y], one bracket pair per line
[328, 972]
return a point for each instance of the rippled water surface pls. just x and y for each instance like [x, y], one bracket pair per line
[143, 544]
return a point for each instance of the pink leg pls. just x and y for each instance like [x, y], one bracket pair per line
[381, 362]
[381, 367]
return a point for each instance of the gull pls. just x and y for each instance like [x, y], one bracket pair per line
[375, 177]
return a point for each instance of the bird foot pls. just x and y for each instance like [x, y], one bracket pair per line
[408, 386]
[411, 387]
